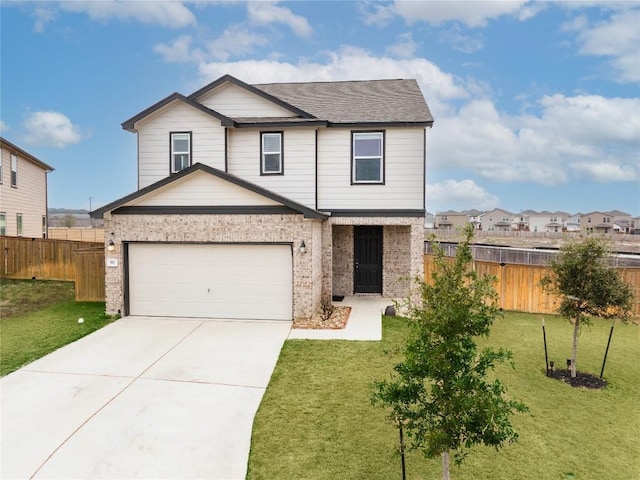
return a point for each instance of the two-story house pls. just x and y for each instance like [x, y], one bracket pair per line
[264, 201]
[451, 220]
[596, 222]
[23, 192]
[496, 220]
[547, 221]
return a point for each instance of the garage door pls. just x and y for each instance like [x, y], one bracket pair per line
[213, 281]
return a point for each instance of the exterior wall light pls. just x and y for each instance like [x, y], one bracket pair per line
[111, 246]
[303, 247]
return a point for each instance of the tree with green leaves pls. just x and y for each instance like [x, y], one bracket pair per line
[440, 391]
[588, 285]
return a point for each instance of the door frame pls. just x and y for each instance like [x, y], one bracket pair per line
[375, 234]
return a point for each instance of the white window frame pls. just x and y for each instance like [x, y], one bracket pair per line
[355, 158]
[264, 153]
[19, 224]
[14, 170]
[3, 223]
[173, 154]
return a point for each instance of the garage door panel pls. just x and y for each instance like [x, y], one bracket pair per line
[217, 281]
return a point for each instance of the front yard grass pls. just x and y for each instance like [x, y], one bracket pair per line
[38, 317]
[316, 421]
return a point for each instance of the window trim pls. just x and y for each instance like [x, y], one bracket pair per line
[19, 225]
[3, 228]
[14, 170]
[263, 171]
[171, 152]
[382, 160]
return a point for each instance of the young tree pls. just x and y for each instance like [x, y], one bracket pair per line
[68, 221]
[440, 391]
[588, 286]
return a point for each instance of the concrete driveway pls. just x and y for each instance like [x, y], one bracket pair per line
[140, 398]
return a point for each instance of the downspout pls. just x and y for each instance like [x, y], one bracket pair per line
[226, 149]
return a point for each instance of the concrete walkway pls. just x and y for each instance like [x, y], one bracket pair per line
[365, 321]
[140, 398]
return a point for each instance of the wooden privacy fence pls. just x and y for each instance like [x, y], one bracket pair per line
[519, 288]
[47, 259]
[77, 234]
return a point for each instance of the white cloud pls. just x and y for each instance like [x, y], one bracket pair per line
[178, 51]
[4, 126]
[617, 38]
[582, 135]
[266, 13]
[459, 41]
[405, 47]
[471, 13]
[459, 195]
[50, 129]
[235, 40]
[43, 15]
[606, 171]
[172, 14]
[374, 13]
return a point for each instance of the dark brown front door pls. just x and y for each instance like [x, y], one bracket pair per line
[367, 256]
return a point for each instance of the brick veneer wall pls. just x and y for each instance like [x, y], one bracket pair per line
[307, 267]
[403, 253]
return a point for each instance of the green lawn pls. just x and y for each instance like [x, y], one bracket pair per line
[39, 317]
[316, 422]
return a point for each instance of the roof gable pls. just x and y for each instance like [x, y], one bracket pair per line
[17, 150]
[254, 201]
[200, 94]
[174, 97]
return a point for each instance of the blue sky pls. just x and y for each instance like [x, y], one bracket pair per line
[536, 104]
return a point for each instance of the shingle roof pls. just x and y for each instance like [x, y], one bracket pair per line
[366, 101]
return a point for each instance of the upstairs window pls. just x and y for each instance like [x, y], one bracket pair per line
[271, 158]
[367, 157]
[180, 151]
[14, 170]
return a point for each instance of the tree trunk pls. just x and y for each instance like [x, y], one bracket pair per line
[574, 349]
[445, 465]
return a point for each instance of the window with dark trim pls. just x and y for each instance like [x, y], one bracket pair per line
[271, 153]
[14, 170]
[367, 157]
[44, 226]
[180, 151]
[19, 224]
[3, 223]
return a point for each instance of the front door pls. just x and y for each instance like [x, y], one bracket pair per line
[367, 259]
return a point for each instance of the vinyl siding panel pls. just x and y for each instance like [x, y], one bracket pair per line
[200, 188]
[29, 198]
[298, 180]
[234, 101]
[154, 142]
[404, 172]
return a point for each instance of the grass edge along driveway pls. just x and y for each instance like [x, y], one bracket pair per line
[43, 317]
[316, 422]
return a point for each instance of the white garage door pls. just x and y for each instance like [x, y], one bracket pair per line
[213, 281]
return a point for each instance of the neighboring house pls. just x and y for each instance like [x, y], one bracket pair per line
[521, 221]
[596, 222]
[622, 222]
[474, 218]
[572, 222]
[450, 220]
[264, 201]
[547, 221]
[23, 192]
[497, 220]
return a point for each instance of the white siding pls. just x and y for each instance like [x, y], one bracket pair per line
[404, 172]
[154, 142]
[28, 198]
[201, 188]
[234, 101]
[298, 181]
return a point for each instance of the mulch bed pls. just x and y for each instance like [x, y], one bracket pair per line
[581, 379]
[338, 320]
